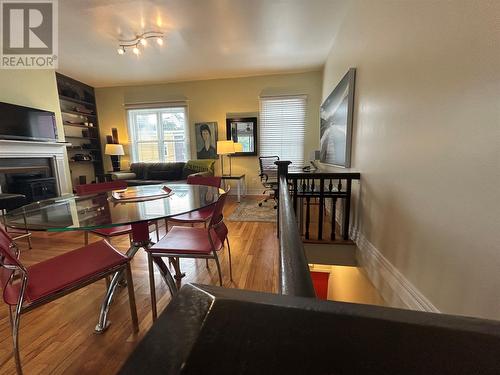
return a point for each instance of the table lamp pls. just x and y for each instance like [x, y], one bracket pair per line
[115, 151]
[225, 148]
[238, 147]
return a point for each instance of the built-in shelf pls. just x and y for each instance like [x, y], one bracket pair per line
[80, 137]
[76, 101]
[84, 161]
[75, 113]
[73, 97]
[78, 125]
[80, 148]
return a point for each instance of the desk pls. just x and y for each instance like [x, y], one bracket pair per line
[241, 184]
[94, 211]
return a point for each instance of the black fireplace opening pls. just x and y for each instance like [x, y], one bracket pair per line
[32, 177]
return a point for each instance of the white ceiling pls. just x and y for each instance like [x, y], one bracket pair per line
[204, 38]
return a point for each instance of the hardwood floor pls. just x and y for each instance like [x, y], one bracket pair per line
[58, 338]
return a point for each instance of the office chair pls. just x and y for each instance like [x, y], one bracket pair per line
[269, 178]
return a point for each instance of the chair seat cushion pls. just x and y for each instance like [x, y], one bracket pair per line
[113, 231]
[67, 270]
[198, 216]
[186, 240]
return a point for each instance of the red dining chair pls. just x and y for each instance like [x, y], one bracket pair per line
[26, 288]
[192, 242]
[120, 230]
[204, 214]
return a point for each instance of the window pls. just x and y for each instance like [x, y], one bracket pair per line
[158, 134]
[282, 124]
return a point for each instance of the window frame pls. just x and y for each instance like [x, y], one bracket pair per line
[262, 121]
[160, 141]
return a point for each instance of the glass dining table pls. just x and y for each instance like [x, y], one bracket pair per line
[104, 210]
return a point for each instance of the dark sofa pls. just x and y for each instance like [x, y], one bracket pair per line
[158, 173]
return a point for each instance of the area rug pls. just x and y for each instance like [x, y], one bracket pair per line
[250, 211]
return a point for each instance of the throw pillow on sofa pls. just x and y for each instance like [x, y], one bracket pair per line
[196, 166]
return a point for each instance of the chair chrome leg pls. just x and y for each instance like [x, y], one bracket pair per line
[152, 287]
[29, 241]
[218, 267]
[86, 237]
[230, 266]
[15, 339]
[206, 260]
[157, 232]
[131, 299]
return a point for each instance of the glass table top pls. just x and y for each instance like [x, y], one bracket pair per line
[102, 211]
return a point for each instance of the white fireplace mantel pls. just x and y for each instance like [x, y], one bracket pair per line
[33, 149]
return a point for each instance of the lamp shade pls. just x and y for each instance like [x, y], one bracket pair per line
[114, 149]
[225, 147]
[238, 147]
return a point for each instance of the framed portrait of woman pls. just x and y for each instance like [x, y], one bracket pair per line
[206, 140]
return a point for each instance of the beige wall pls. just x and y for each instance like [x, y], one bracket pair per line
[33, 88]
[210, 101]
[426, 140]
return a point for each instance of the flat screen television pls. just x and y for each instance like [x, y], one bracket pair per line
[24, 123]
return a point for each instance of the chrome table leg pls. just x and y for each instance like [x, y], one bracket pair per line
[166, 275]
[103, 324]
[140, 234]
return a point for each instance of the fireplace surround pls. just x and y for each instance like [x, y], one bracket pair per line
[41, 165]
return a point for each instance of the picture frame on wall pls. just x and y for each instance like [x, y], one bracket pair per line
[243, 130]
[336, 115]
[206, 140]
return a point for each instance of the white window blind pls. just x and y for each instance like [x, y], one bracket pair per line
[282, 125]
[158, 134]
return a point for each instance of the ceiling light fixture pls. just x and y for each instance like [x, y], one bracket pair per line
[139, 40]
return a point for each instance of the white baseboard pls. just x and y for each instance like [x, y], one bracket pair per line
[396, 289]
[234, 191]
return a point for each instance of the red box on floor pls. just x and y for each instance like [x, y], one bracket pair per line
[320, 283]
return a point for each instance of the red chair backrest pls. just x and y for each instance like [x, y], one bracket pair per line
[100, 187]
[216, 222]
[205, 180]
[7, 257]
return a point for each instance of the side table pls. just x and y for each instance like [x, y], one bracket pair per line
[240, 183]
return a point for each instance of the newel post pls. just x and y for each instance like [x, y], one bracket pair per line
[282, 171]
[282, 167]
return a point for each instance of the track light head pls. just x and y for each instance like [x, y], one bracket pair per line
[138, 43]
